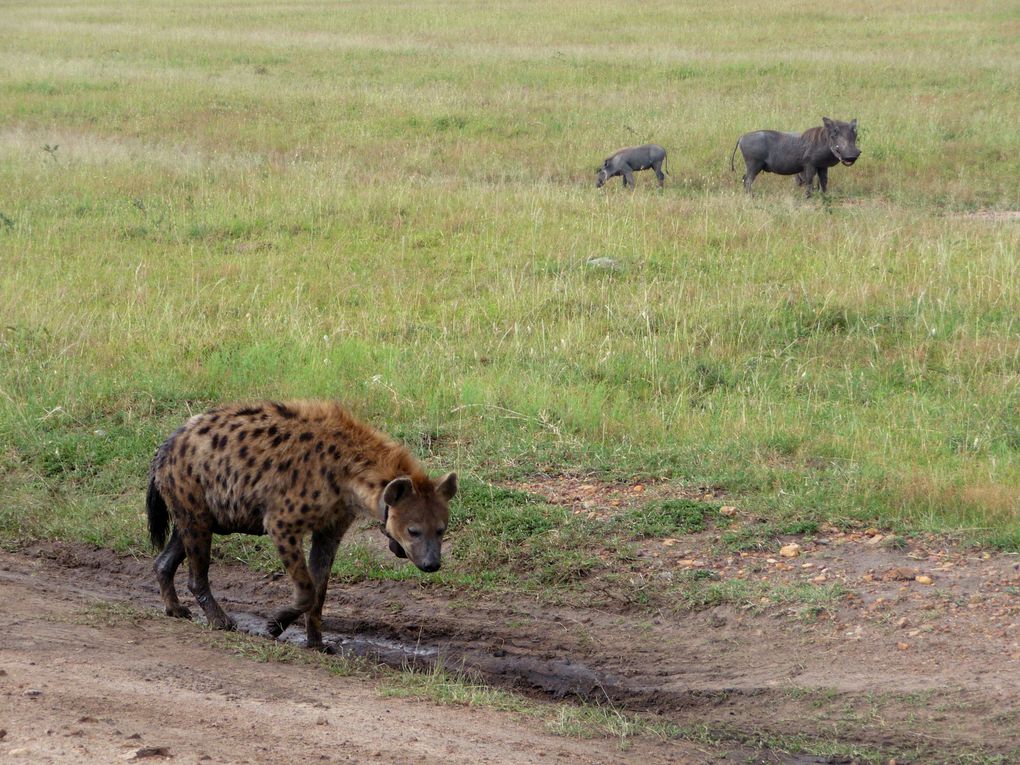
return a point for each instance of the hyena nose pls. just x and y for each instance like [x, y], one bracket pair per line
[429, 566]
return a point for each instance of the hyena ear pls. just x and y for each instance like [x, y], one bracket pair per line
[447, 488]
[396, 490]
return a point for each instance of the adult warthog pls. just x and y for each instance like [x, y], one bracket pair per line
[805, 154]
[626, 161]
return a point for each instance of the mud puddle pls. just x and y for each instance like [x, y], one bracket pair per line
[557, 677]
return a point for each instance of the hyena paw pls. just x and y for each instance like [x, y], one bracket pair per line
[178, 612]
[318, 645]
[224, 623]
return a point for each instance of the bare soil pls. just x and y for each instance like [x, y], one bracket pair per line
[918, 660]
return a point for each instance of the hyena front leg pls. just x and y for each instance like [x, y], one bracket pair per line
[288, 543]
[166, 566]
[320, 562]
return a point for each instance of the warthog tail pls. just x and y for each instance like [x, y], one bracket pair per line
[159, 518]
[665, 164]
[732, 168]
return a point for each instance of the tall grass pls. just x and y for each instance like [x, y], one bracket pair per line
[394, 204]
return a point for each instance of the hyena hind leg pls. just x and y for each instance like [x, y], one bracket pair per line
[166, 566]
[198, 545]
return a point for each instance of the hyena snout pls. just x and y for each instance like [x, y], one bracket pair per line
[426, 554]
[431, 560]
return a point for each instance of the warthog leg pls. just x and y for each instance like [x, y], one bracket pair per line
[753, 168]
[823, 179]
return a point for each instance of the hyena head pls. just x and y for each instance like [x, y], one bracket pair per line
[416, 522]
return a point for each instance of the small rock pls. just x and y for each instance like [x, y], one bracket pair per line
[791, 550]
[903, 646]
[150, 751]
[900, 574]
[322, 720]
[32, 693]
[820, 578]
[728, 511]
[922, 579]
[604, 264]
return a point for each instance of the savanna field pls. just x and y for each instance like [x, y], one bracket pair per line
[394, 204]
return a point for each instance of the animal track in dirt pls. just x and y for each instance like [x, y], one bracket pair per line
[895, 666]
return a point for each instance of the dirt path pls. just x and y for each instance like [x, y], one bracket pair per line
[898, 668]
[74, 691]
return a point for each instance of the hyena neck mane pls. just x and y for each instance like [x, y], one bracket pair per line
[376, 460]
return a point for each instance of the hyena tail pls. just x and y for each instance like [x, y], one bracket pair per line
[159, 517]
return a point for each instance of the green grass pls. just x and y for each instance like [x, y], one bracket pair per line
[212, 202]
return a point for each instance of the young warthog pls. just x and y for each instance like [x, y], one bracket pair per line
[805, 154]
[289, 470]
[626, 161]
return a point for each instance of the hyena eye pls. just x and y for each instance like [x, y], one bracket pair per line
[441, 531]
[414, 532]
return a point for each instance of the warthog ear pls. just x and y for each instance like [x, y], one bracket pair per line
[396, 490]
[853, 124]
[827, 122]
[447, 488]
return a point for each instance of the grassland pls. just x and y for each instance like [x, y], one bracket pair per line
[394, 204]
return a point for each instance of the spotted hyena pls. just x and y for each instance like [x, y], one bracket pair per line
[286, 470]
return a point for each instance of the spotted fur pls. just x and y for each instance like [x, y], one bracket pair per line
[288, 470]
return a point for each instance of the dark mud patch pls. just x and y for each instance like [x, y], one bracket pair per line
[558, 678]
[924, 673]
